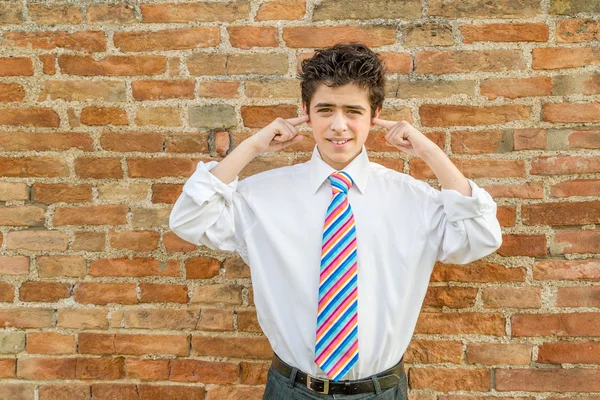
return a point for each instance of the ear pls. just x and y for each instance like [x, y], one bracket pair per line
[376, 115]
[305, 112]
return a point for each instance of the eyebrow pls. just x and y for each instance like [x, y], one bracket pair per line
[358, 107]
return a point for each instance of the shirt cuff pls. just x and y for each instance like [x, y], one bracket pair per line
[202, 185]
[458, 207]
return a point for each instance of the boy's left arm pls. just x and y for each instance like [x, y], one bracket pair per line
[470, 211]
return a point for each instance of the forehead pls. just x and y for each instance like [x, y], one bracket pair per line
[349, 94]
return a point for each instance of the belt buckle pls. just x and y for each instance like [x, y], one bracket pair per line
[325, 384]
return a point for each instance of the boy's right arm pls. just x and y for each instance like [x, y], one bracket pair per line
[209, 211]
[275, 136]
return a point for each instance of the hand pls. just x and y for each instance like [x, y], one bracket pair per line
[406, 137]
[277, 135]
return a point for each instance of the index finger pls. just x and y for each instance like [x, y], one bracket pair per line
[384, 122]
[298, 120]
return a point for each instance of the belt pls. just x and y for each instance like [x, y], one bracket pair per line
[387, 379]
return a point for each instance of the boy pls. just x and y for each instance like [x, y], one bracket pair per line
[340, 249]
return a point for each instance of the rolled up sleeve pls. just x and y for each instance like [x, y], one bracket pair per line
[211, 213]
[463, 228]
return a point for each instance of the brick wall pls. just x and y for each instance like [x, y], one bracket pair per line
[105, 109]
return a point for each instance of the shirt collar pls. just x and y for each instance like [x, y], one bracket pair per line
[358, 170]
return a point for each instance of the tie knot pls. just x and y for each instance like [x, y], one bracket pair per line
[340, 182]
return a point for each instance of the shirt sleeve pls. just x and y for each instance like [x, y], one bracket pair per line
[211, 213]
[462, 228]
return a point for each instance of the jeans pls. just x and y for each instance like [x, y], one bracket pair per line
[280, 387]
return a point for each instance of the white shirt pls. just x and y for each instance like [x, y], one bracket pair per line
[274, 220]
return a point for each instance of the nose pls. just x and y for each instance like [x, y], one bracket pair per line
[338, 122]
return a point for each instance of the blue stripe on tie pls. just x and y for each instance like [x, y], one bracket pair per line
[339, 221]
[349, 235]
[341, 269]
[349, 365]
[344, 318]
[341, 349]
[351, 284]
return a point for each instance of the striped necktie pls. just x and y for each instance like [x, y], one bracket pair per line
[337, 320]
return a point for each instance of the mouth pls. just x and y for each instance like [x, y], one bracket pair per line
[339, 142]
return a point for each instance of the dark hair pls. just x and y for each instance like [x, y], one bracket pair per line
[341, 64]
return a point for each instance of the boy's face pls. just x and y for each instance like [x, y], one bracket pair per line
[340, 114]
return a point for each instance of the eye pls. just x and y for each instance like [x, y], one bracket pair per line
[325, 110]
[355, 112]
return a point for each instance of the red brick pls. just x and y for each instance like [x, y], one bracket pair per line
[136, 266]
[238, 347]
[455, 115]
[199, 11]
[449, 380]
[8, 366]
[64, 392]
[482, 9]
[159, 116]
[216, 320]
[433, 352]
[161, 319]
[203, 371]
[246, 37]
[506, 215]
[48, 193]
[105, 293]
[27, 317]
[576, 241]
[514, 88]
[91, 343]
[110, 14]
[461, 323]
[16, 66]
[569, 352]
[281, 10]
[562, 57]
[459, 61]
[577, 30]
[323, 36]
[234, 392]
[397, 63]
[584, 139]
[83, 318]
[55, 14]
[97, 116]
[548, 380]
[100, 368]
[44, 291]
[112, 65]
[523, 245]
[98, 168]
[261, 116]
[90, 241]
[81, 90]
[511, 297]
[195, 143]
[161, 90]
[167, 193]
[202, 268]
[22, 216]
[572, 213]
[481, 142]
[147, 370]
[562, 325]
[160, 167]
[248, 322]
[163, 293]
[168, 39]
[46, 368]
[111, 391]
[219, 89]
[235, 267]
[254, 373]
[35, 116]
[476, 272]
[37, 240]
[153, 392]
[11, 92]
[513, 32]
[578, 296]
[88, 41]
[7, 292]
[451, 297]
[50, 343]
[571, 112]
[528, 190]
[580, 270]
[132, 141]
[479, 168]
[529, 139]
[549, 165]
[48, 63]
[497, 353]
[217, 293]
[14, 265]
[33, 167]
[91, 215]
[17, 391]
